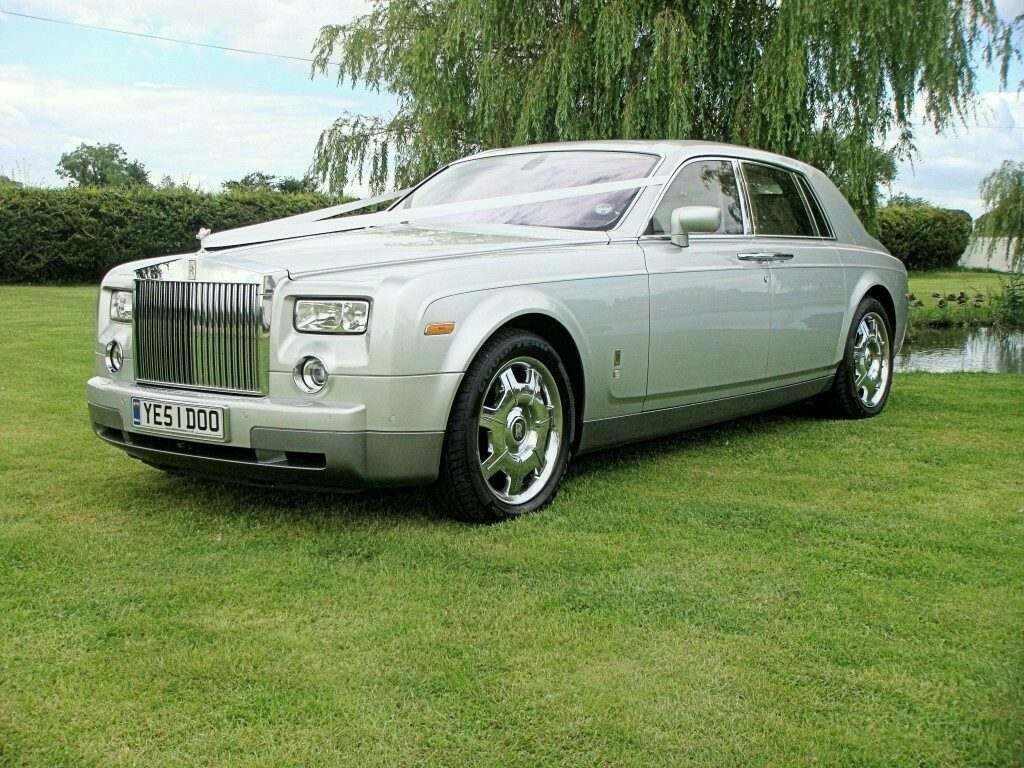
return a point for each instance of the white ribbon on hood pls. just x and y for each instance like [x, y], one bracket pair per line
[326, 221]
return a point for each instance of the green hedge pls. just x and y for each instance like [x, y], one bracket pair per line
[923, 237]
[76, 235]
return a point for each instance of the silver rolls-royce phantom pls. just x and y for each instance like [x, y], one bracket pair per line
[514, 309]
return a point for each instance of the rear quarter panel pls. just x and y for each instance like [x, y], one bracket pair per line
[865, 269]
[866, 262]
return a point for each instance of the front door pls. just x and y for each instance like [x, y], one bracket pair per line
[710, 309]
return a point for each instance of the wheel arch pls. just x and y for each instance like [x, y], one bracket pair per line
[889, 289]
[881, 294]
[483, 314]
[559, 337]
[460, 480]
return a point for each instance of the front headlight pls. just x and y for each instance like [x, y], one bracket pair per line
[331, 315]
[121, 306]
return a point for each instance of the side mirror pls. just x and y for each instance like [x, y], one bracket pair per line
[694, 219]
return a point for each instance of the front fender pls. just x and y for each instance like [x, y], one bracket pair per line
[479, 314]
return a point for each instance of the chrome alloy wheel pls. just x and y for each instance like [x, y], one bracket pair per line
[871, 360]
[520, 430]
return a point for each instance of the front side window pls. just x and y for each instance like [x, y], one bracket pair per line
[522, 173]
[705, 182]
[776, 205]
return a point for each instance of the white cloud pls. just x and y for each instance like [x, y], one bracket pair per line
[212, 135]
[279, 26]
[205, 136]
[948, 168]
[1009, 9]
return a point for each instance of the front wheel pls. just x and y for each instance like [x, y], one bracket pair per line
[508, 438]
[864, 377]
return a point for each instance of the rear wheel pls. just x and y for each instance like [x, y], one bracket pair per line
[508, 438]
[864, 378]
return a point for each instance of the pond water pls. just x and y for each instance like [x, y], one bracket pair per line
[952, 350]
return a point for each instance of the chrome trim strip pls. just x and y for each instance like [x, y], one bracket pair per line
[645, 425]
[741, 190]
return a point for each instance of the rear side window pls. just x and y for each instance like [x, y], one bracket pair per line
[824, 230]
[777, 206]
[705, 182]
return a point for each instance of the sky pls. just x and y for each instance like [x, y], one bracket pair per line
[204, 116]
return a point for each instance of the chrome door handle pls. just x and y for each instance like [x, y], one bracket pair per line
[764, 257]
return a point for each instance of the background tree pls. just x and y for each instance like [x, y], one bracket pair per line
[823, 80]
[102, 165]
[7, 181]
[257, 181]
[1002, 191]
[907, 201]
[168, 183]
[307, 184]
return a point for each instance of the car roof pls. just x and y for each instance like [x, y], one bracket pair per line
[672, 150]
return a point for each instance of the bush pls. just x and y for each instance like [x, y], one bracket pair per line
[923, 237]
[77, 235]
[1009, 303]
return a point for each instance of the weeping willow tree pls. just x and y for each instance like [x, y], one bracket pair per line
[827, 81]
[1002, 192]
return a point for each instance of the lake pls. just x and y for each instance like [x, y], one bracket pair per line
[953, 350]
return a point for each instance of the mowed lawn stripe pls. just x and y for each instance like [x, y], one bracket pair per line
[781, 590]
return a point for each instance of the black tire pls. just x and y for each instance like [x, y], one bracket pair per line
[462, 490]
[844, 400]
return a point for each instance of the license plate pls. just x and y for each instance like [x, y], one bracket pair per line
[200, 421]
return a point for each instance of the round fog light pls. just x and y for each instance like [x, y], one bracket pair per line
[114, 357]
[311, 374]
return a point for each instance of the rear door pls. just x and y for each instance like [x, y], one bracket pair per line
[808, 290]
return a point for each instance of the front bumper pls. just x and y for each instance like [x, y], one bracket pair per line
[393, 435]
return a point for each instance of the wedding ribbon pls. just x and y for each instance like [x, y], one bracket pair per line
[332, 219]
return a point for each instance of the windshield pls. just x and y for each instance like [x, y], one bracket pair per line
[517, 174]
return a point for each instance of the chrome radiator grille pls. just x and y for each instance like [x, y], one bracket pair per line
[199, 335]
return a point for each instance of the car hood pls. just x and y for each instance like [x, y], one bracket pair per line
[388, 246]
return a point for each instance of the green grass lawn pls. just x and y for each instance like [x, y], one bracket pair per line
[973, 283]
[946, 281]
[779, 591]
